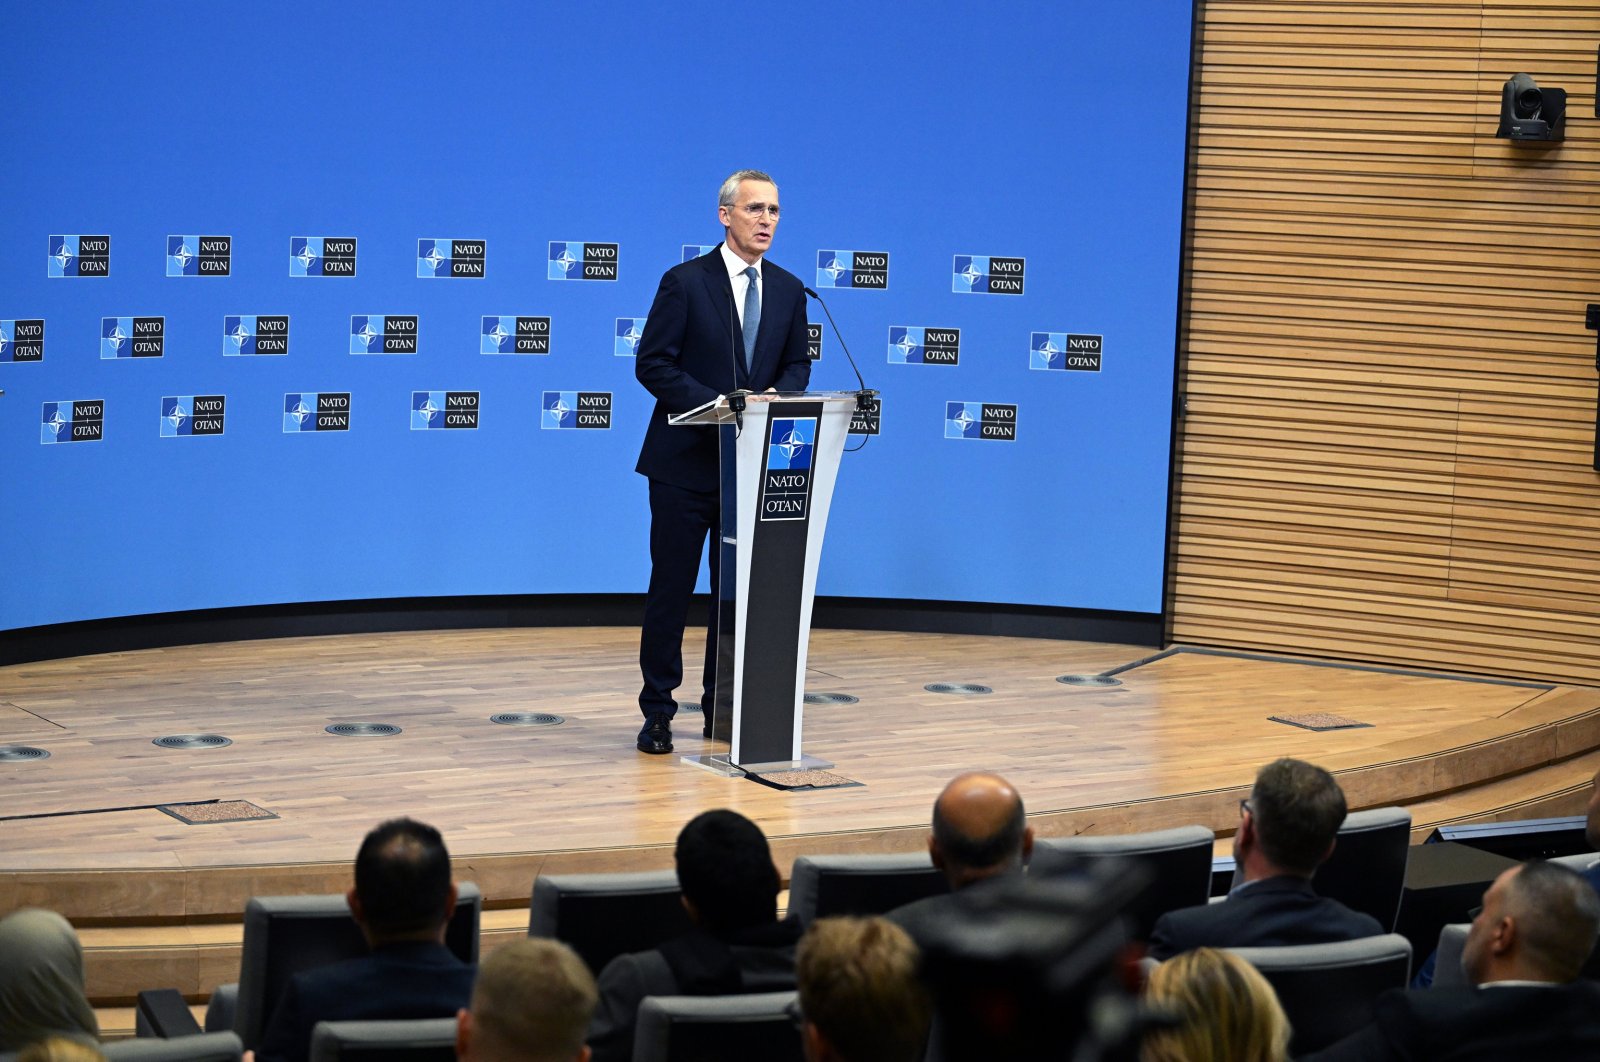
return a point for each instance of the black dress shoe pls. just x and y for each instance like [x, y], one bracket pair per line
[657, 740]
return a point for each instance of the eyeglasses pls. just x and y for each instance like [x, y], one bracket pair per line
[756, 210]
[1244, 806]
[795, 1015]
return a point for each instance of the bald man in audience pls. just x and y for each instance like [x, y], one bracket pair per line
[532, 1003]
[980, 834]
[1523, 954]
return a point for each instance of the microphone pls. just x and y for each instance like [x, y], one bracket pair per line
[737, 395]
[864, 396]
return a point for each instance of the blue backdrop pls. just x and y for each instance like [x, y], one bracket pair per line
[1053, 133]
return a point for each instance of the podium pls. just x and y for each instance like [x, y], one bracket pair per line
[779, 460]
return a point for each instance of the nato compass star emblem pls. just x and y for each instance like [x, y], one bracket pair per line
[428, 410]
[63, 256]
[177, 417]
[5, 341]
[301, 412]
[833, 268]
[433, 258]
[56, 422]
[792, 444]
[239, 335]
[117, 336]
[367, 335]
[631, 337]
[498, 334]
[965, 420]
[906, 346]
[558, 409]
[971, 274]
[306, 256]
[1048, 349]
[565, 260]
[182, 255]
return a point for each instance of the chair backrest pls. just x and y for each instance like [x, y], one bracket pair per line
[1447, 969]
[286, 934]
[824, 885]
[1180, 859]
[1327, 989]
[1367, 871]
[204, 1047]
[412, 1040]
[699, 1028]
[601, 916]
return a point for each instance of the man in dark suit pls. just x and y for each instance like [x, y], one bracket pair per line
[1523, 954]
[980, 836]
[730, 889]
[728, 320]
[1286, 830]
[403, 899]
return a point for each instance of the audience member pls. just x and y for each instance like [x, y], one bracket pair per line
[1538, 924]
[730, 889]
[980, 834]
[1591, 833]
[403, 899]
[532, 1003]
[60, 1049]
[1227, 1012]
[41, 981]
[860, 996]
[1286, 831]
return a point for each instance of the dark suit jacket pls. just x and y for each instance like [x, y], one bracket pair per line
[1270, 913]
[1548, 1024]
[421, 980]
[686, 358]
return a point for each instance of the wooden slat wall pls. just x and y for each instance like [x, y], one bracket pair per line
[1391, 392]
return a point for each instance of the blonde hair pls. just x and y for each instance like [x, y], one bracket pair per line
[60, 1049]
[1226, 1009]
[857, 981]
[533, 999]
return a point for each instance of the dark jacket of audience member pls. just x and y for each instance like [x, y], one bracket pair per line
[730, 888]
[41, 981]
[403, 899]
[1523, 955]
[1286, 830]
[980, 835]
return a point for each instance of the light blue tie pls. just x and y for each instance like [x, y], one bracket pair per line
[752, 316]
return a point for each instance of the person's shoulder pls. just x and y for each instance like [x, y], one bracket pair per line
[774, 275]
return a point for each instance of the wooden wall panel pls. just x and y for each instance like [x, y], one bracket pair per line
[1390, 391]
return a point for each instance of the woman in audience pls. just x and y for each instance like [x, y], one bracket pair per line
[41, 981]
[1226, 1011]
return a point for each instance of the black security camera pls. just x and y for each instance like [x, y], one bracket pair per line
[1528, 112]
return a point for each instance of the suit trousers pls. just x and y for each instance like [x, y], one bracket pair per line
[680, 520]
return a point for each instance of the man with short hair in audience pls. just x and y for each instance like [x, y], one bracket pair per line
[860, 997]
[730, 889]
[980, 834]
[403, 899]
[1538, 924]
[532, 1003]
[1287, 829]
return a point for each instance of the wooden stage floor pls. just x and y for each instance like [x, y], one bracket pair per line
[1175, 743]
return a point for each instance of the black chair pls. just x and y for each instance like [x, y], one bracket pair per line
[1327, 989]
[418, 1040]
[717, 1028]
[284, 935]
[1179, 858]
[202, 1047]
[1367, 871]
[824, 885]
[601, 916]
